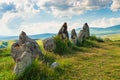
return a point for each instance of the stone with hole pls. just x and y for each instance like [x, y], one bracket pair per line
[24, 52]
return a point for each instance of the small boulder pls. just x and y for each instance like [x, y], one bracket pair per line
[49, 44]
[54, 65]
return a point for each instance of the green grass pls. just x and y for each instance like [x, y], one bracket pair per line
[90, 63]
[113, 37]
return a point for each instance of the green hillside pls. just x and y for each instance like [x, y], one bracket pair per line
[100, 62]
[113, 37]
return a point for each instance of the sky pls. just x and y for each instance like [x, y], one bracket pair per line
[47, 16]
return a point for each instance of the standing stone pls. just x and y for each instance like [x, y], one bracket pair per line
[49, 44]
[74, 36]
[63, 32]
[24, 51]
[22, 62]
[83, 34]
[86, 30]
[16, 51]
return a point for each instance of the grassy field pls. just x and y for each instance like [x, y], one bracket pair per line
[113, 37]
[94, 63]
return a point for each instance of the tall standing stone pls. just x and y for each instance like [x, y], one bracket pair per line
[86, 30]
[63, 31]
[83, 34]
[74, 36]
[24, 52]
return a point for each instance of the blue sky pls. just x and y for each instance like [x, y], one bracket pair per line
[47, 16]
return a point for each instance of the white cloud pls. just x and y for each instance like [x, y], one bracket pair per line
[7, 18]
[41, 3]
[47, 27]
[24, 9]
[3, 23]
[69, 8]
[61, 8]
[43, 27]
[115, 5]
[27, 9]
[105, 22]
[66, 13]
[4, 30]
[54, 26]
[32, 28]
[37, 28]
[26, 6]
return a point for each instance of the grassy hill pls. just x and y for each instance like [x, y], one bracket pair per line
[101, 62]
[113, 37]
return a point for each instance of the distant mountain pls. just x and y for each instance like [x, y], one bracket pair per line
[8, 37]
[37, 36]
[103, 31]
[42, 36]
[93, 31]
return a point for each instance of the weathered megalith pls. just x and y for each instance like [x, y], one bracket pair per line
[86, 30]
[83, 34]
[73, 36]
[49, 44]
[63, 32]
[24, 52]
[22, 62]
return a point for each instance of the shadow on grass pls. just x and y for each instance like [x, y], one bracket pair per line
[4, 55]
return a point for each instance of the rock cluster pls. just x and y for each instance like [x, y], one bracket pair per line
[49, 43]
[26, 49]
[83, 34]
[24, 52]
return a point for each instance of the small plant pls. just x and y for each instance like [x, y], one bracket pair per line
[107, 40]
[73, 46]
[94, 38]
[62, 46]
[78, 43]
[76, 48]
[49, 58]
[88, 43]
[100, 40]
[5, 43]
[70, 44]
